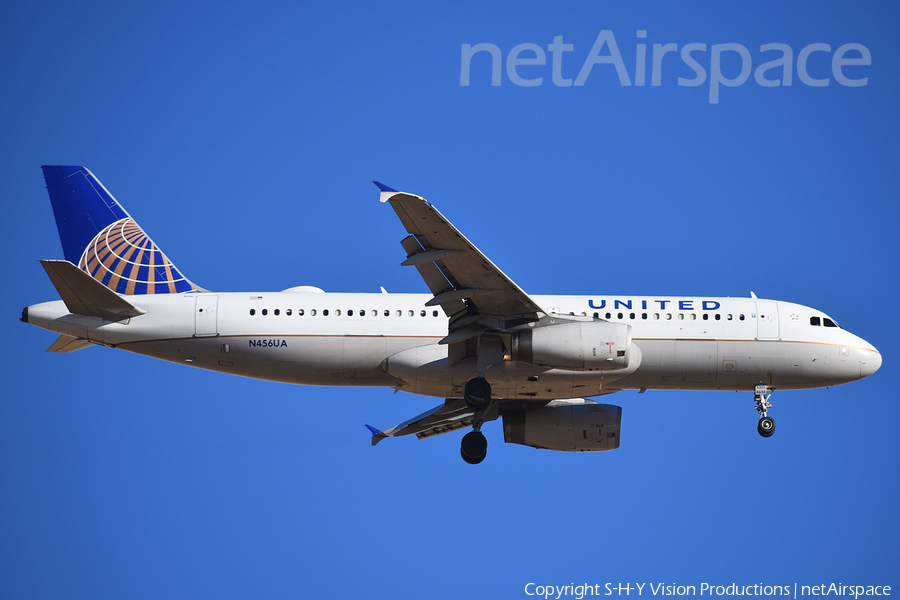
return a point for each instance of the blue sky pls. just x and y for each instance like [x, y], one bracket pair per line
[244, 139]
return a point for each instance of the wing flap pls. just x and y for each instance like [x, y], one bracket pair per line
[432, 276]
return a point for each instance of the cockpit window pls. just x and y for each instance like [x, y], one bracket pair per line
[829, 323]
[814, 321]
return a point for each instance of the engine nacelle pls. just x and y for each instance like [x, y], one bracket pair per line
[571, 428]
[575, 346]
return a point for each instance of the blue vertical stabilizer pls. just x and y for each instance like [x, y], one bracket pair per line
[82, 207]
[102, 239]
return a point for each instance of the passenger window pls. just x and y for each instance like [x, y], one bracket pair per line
[434, 313]
[706, 316]
[362, 313]
[693, 317]
[265, 311]
[631, 316]
[277, 312]
[411, 313]
[349, 313]
[656, 316]
[312, 312]
[596, 315]
[621, 316]
[325, 313]
[681, 316]
[668, 316]
[422, 313]
[815, 321]
[644, 316]
[252, 311]
[718, 317]
[828, 322]
[742, 317]
[728, 316]
[608, 316]
[287, 312]
[301, 312]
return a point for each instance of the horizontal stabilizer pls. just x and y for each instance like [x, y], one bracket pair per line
[84, 295]
[67, 343]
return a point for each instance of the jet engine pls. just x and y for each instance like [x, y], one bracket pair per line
[575, 346]
[572, 428]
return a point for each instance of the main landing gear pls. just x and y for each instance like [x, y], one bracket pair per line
[474, 447]
[477, 394]
[766, 425]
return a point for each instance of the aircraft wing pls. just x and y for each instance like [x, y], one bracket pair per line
[453, 414]
[456, 272]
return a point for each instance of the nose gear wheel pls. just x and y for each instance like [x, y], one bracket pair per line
[766, 426]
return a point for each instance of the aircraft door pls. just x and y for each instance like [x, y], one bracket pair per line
[767, 321]
[205, 315]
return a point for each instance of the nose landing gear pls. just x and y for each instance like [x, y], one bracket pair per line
[766, 426]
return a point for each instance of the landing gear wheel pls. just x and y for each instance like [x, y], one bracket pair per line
[761, 395]
[766, 426]
[474, 447]
[477, 393]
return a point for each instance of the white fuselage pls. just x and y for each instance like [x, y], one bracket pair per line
[392, 340]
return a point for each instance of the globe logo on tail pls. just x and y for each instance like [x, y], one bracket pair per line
[126, 260]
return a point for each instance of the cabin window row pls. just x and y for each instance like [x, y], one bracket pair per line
[338, 312]
[670, 316]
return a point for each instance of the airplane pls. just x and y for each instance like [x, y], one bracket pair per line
[477, 340]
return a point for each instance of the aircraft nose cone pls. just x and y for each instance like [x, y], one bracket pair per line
[869, 363]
